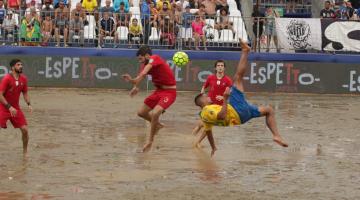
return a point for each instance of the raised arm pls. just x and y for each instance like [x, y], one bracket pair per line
[223, 112]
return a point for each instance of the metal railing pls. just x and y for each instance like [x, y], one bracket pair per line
[47, 28]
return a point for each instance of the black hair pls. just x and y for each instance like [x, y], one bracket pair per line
[196, 99]
[143, 50]
[122, 4]
[327, 2]
[14, 61]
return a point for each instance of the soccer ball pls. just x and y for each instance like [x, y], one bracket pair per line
[180, 58]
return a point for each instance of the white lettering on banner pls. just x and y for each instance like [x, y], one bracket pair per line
[262, 74]
[3, 71]
[176, 70]
[59, 68]
[103, 73]
[354, 82]
[338, 32]
[75, 65]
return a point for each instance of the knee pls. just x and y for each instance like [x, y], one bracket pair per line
[270, 110]
[141, 114]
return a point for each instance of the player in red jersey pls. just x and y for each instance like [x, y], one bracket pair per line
[164, 95]
[11, 86]
[217, 84]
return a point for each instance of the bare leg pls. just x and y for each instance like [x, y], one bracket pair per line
[241, 68]
[197, 142]
[144, 112]
[269, 113]
[25, 138]
[157, 111]
[197, 128]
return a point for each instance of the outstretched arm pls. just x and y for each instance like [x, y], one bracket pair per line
[137, 80]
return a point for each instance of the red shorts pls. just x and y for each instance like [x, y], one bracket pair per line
[18, 121]
[163, 98]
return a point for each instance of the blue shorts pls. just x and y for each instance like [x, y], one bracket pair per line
[245, 110]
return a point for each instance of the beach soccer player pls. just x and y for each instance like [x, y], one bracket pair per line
[11, 86]
[164, 95]
[235, 109]
[217, 83]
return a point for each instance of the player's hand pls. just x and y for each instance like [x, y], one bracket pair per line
[134, 91]
[219, 98]
[13, 111]
[226, 93]
[147, 147]
[30, 108]
[126, 77]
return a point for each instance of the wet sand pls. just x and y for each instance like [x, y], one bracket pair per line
[86, 144]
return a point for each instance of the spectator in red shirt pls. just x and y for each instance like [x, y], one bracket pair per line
[11, 86]
[162, 98]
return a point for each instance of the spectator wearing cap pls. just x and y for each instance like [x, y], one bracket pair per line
[9, 26]
[327, 12]
[47, 10]
[62, 9]
[76, 28]
[117, 3]
[90, 6]
[61, 28]
[186, 31]
[107, 8]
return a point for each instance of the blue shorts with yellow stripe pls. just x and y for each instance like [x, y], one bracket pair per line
[245, 110]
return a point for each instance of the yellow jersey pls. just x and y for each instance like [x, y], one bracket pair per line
[209, 116]
[89, 5]
[135, 29]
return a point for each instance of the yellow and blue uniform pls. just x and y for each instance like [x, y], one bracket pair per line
[239, 111]
[209, 117]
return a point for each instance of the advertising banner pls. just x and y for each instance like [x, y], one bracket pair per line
[261, 76]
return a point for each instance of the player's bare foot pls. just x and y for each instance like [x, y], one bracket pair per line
[244, 46]
[280, 141]
[147, 147]
[197, 145]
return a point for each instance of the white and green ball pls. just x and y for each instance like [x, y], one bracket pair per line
[180, 58]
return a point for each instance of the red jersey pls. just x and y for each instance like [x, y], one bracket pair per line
[12, 89]
[160, 72]
[217, 87]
